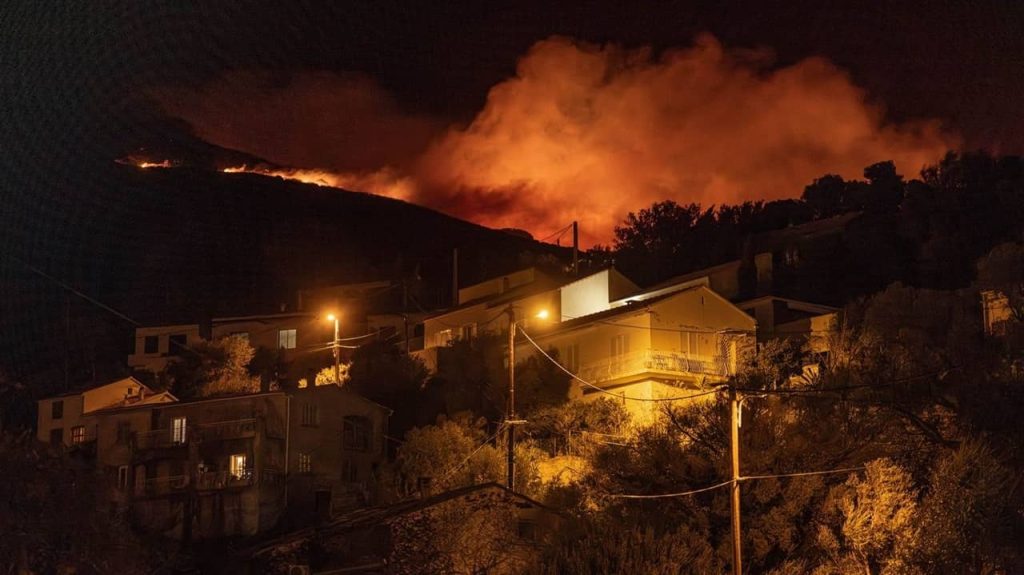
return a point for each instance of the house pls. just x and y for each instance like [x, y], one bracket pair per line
[233, 465]
[650, 347]
[483, 528]
[69, 419]
[779, 317]
[485, 307]
[290, 333]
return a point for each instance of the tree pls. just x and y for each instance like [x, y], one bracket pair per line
[384, 373]
[209, 368]
[825, 195]
[330, 376]
[51, 517]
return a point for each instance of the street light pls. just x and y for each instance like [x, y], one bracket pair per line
[511, 420]
[337, 349]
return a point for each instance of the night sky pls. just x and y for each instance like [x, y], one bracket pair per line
[509, 114]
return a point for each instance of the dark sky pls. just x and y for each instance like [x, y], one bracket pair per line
[86, 79]
[962, 62]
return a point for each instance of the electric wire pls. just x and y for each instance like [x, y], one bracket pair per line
[487, 441]
[613, 394]
[730, 482]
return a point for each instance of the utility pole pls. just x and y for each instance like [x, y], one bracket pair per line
[510, 420]
[337, 351]
[575, 249]
[734, 420]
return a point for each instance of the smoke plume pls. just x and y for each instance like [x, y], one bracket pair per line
[588, 133]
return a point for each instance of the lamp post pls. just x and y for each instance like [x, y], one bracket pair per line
[337, 350]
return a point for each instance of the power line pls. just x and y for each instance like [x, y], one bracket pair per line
[667, 495]
[605, 391]
[729, 482]
[448, 473]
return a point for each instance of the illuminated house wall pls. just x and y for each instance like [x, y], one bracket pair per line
[670, 346]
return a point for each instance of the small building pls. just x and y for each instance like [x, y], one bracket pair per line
[779, 317]
[226, 466]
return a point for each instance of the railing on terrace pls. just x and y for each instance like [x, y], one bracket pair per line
[221, 479]
[221, 430]
[652, 360]
[162, 485]
[214, 431]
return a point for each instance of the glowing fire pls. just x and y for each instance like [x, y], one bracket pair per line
[146, 163]
[383, 182]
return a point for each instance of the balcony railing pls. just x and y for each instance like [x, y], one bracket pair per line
[162, 485]
[654, 362]
[159, 438]
[223, 430]
[210, 480]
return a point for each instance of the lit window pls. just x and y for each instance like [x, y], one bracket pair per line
[77, 434]
[57, 409]
[305, 463]
[286, 338]
[237, 468]
[356, 433]
[122, 477]
[178, 428]
[310, 414]
[444, 337]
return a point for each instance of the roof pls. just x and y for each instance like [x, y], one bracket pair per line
[83, 390]
[806, 231]
[262, 317]
[693, 275]
[342, 390]
[373, 516]
[793, 303]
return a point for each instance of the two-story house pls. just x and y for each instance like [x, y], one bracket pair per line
[234, 465]
[651, 347]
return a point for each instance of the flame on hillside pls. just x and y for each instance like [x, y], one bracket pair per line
[383, 182]
[146, 163]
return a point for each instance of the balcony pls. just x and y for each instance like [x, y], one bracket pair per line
[159, 439]
[654, 363]
[212, 480]
[225, 430]
[158, 486]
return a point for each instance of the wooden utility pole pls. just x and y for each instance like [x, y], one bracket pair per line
[575, 249]
[734, 420]
[510, 420]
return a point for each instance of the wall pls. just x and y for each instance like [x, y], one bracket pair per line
[157, 361]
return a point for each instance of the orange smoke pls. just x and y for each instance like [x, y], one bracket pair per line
[590, 133]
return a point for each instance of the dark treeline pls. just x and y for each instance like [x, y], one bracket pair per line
[926, 231]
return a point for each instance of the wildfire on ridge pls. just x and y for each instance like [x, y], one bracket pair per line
[383, 182]
[146, 163]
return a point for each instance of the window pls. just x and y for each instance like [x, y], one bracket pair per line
[151, 344]
[572, 357]
[468, 331]
[78, 434]
[122, 477]
[177, 343]
[124, 432]
[286, 339]
[689, 343]
[444, 337]
[349, 471]
[620, 345]
[57, 410]
[57, 436]
[305, 463]
[178, 429]
[355, 433]
[237, 467]
[310, 414]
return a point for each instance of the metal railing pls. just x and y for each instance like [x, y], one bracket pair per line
[209, 480]
[159, 438]
[652, 360]
[221, 430]
[162, 485]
